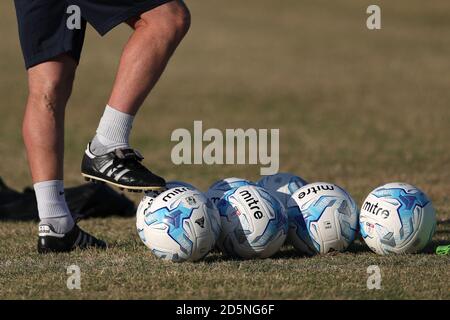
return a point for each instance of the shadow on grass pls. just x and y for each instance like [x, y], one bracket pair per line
[289, 253]
[358, 247]
[216, 256]
[285, 254]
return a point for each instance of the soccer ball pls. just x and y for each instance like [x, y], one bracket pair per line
[178, 225]
[254, 223]
[282, 185]
[322, 217]
[218, 188]
[397, 218]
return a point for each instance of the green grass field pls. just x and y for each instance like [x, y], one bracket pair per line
[355, 107]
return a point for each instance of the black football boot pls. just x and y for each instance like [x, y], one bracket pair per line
[121, 168]
[50, 241]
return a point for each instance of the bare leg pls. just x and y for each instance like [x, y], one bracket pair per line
[157, 34]
[50, 86]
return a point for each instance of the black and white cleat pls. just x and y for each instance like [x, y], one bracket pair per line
[50, 241]
[121, 168]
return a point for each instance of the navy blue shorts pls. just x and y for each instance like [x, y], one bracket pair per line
[44, 32]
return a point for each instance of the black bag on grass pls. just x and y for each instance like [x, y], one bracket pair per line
[84, 201]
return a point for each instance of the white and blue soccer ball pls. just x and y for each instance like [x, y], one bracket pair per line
[282, 185]
[397, 218]
[219, 188]
[179, 225]
[323, 217]
[254, 223]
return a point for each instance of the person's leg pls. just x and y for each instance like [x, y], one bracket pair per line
[156, 35]
[50, 86]
[51, 53]
[108, 157]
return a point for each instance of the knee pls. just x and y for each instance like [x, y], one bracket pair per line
[50, 93]
[173, 19]
[180, 18]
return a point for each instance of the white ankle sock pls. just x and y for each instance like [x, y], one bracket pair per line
[113, 131]
[52, 205]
